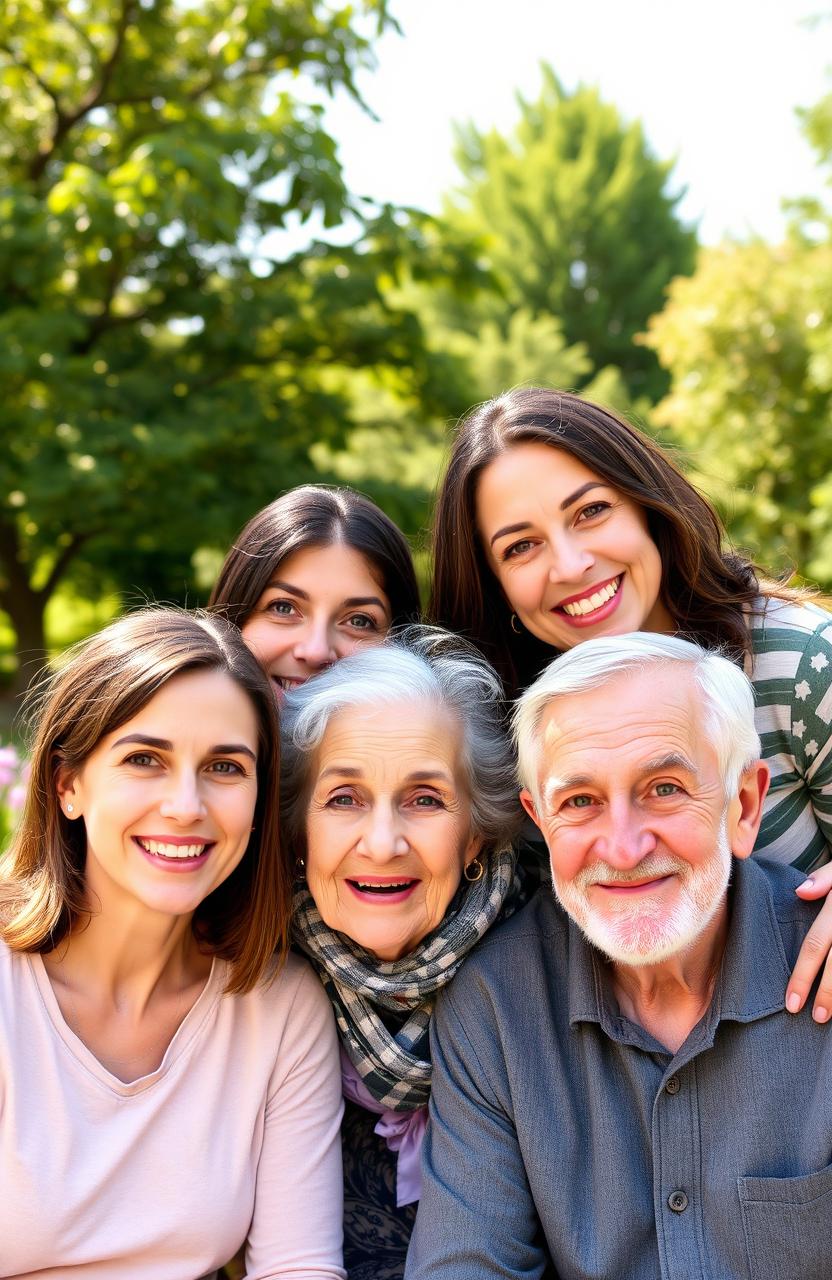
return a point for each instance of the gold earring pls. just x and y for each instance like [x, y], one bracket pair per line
[515, 625]
[477, 868]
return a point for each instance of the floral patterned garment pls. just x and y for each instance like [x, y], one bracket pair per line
[376, 1232]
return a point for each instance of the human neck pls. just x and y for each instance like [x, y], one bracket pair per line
[669, 998]
[126, 959]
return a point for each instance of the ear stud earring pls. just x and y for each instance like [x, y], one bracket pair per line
[69, 808]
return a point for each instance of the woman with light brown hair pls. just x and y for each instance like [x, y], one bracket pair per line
[169, 1074]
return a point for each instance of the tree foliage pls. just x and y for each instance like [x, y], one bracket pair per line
[748, 344]
[577, 223]
[162, 373]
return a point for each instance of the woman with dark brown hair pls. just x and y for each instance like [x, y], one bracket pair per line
[169, 1074]
[317, 574]
[558, 522]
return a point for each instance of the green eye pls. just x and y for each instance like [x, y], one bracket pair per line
[666, 789]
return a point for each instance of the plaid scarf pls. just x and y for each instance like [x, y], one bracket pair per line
[395, 1065]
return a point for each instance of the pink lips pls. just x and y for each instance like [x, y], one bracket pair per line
[597, 615]
[179, 866]
[627, 888]
[377, 898]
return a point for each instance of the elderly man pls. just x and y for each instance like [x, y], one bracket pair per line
[616, 1080]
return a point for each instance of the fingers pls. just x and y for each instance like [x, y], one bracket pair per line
[814, 952]
[818, 884]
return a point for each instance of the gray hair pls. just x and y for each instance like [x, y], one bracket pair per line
[727, 696]
[416, 664]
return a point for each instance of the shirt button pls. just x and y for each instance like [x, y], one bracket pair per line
[677, 1201]
[673, 1085]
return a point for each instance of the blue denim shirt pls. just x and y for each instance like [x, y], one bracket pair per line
[557, 1122]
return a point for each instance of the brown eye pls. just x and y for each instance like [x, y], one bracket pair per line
[594, 509]
[518, 548]
[281, 608]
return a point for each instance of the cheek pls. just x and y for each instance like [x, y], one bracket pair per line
[265, 640]
[521, 585]
[321, 856]
[239, 811]
[445, 878]
[345, 645]
[568, 852]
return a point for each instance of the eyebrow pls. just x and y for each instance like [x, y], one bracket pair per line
[353, 602]
[579, 493]
[671, 760]
[418, 775]
[287, 586]
[567, 502]
[164, 744]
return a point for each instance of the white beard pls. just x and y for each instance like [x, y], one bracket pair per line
[643, 930]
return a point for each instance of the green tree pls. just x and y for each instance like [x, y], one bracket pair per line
[577, 223]
[748, 344]
[161, 374]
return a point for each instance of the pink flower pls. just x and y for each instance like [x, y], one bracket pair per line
[15, 798]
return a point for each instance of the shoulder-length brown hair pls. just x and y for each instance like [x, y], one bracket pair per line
[314, 516]
[702, 586]
[107, 681]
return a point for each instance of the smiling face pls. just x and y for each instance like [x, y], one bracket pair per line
[322, 604]
[632, 807]
[167, 799]
[573, 556]
[388, 828]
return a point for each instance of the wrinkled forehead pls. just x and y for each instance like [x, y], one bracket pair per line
[633, 719]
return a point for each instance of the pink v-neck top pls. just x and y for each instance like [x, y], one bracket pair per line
[234, 1137]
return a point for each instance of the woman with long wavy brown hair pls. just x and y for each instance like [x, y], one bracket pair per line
[557, 521]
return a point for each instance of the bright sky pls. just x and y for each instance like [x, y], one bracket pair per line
[715, 83]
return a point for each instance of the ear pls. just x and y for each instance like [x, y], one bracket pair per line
[745, 810]
[67, 792]
[527, 801]
[471, 850]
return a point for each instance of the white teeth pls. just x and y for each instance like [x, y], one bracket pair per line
[163, 850]
[579, 608]
[395, 884]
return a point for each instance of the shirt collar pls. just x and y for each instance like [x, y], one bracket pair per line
[752, 981]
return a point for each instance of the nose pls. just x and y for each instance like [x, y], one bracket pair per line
[383, 835]
[625, 839]
[315, 646]
[569, 558]
[182, 801]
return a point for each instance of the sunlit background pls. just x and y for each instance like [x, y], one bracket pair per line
[245, 244]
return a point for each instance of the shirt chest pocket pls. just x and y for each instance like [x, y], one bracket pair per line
[785, 1223]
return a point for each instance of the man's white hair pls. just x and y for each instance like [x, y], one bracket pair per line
[727, 696]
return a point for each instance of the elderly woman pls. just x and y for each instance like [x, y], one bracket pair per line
[400, 803]
[168, 1074]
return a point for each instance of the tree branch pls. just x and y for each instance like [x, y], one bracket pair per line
[64, 121]
[39, 81]
[62, 14]
[62, 561]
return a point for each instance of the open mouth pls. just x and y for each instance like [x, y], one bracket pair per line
[594, 605]
[287, 683]
[383, 890]
[174, 851]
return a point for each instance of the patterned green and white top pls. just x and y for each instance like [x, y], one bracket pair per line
[791, 670]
